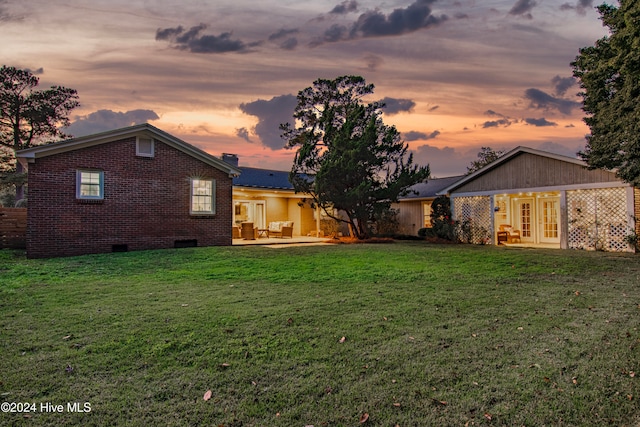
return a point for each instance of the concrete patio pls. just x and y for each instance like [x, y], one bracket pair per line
[271, 241]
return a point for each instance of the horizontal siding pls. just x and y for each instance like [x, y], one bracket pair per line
[13, 228]
[531, 171]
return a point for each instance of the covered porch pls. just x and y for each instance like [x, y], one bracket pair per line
[276, 214]
[581, 218]
[532, 197]
[527, 218]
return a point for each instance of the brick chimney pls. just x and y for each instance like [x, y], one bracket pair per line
[231, 159]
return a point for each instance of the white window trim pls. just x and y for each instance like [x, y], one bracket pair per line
[142, 153]
[213, 197]
[79, 184]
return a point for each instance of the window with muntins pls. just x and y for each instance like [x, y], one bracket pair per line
[202, 196]
[426, 214]
[90, 184]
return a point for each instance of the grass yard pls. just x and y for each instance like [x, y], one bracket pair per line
[406, 334]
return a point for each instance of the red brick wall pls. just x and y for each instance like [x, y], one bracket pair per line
[146, 202]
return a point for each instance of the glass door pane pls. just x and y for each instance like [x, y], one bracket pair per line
[525, 219]
[550, 211]
[260, 214]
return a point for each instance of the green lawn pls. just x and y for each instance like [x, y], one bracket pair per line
[410, 334]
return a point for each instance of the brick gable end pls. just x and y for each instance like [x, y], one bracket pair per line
[146, 202]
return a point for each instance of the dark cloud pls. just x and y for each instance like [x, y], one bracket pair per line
[541, 100]
[497, 123]
[541, 122]
[434, 108]
[563, 84]
[345, 7]
[501, 121]
[36, 72]
[244, 134]
[169, 33]
[284, 39]
[271, 113]
[282, 33]
[523, 8]
[289, 44]
[414, 17]
[419, 136]
[334, 34]
[374, 23]
[193, 41]
[396, 105]
[580, 7]
[104, 120]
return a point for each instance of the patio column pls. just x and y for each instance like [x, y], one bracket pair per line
[317, 221]
[564, 221]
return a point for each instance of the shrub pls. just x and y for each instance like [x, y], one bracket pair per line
[386, 222]
[442, 224]
[426, 232]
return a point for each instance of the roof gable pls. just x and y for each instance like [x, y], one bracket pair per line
[525, 167]
[33, 153]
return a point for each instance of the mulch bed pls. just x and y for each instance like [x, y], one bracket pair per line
[353, 240]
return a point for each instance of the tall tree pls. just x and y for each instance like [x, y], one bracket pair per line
[29, 117]
[609, 74]
[486, 155]
[347, 158]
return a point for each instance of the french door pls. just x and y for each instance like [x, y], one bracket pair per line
[525, 209]
[250, 211]
[549, 208]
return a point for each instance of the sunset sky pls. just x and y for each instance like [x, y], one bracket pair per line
[222, 74]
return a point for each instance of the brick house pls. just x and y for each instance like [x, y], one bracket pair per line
[127, 189]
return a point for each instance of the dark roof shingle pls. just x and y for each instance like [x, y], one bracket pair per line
[431, 188]
[263, 178]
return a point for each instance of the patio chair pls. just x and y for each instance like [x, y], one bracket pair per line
[508, 231]
[248, 231]
[287, 231]
[281, 229]
[275, 229]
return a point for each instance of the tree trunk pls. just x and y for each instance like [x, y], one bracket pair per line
[363, 231]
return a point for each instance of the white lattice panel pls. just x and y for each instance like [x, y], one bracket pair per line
[597, 219]
[476, 211]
